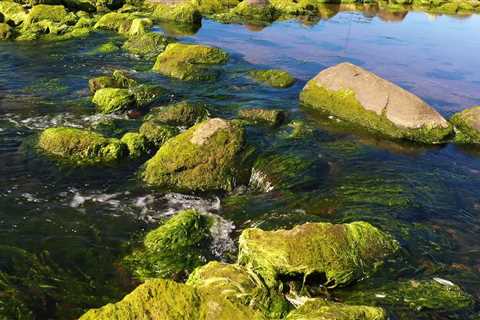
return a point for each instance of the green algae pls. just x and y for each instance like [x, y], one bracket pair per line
[114, 21]
[109, 100]
[106, 48]
[466, 125]
[339, 254]
[176, 247]
[271, 117]
[157, 133]
[209, 7]
[274, 77]
[182, 13]
[140, 26]
[184, 113]
[317, 309]
[344, 105]
[80, 147]
[13, 12]
[147, 45]
[189, 62]
[137, 144]
[6, 32]
[249, 13]
[210, 156]
[101, 82]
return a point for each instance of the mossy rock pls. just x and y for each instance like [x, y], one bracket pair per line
[174, 248]
[297, 7]
[13, 12]
[210, 156]
[101, 82]
[52, 14]
[189, 61]
[163, 299]
[270, 117]
[241, 287]
[111, 4]
[183, 13]
[147, 45]
[138, 146]
[80, 5]
[250, 11]
[6, 32]
[140, 26]
[317, 309]
[364, 99]
[82, 147]
[180, 114]
[110, 100]
[106, 48]
[332, 254]
[114, 21]
[157, 133]
[275, 78]
[467, 126]
[209, 7]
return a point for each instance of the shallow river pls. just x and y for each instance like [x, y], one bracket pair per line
[76, 223]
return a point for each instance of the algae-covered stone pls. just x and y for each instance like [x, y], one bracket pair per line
[207, 157]
[251, 11]
[297, 7]
[182, 13]
[337, 253]
[157, 133]
[147, 45]
[140, 26]
[109, 100]
[275, 78]
[106, 48]
[137, 144]
[317, 309]
[467, 125]
[181, 114]
[114, 21]
[13, 12]
[146, 94]
[174, 248]
[101, 82]
[215, 6]
[362, 98]
[272, 117]
[80, 146]
[54, 14]
[163, 299]
[189, 61]
[6, 32]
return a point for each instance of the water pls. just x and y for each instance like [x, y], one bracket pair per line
[75, 224]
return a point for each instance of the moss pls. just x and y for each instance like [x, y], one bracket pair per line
[343, 104]
[235, 284]
[148, 45]
[293, 7]
[101, 83]
[467, 125]
[13, 12]
[163, 299]
[299, 129]
[215, 6]
[180, 114]
[271, 117]
[156, 133]
[106, 48]
[146, 94]
[6, 32]
[137, 144]
[252, 13]
[176, 247]
[209, 156]
[114, 21]
[319, 309]
[109, 100]
[338, 254]
[81, 147]
[275, 78]
[189, 62]
[54, 14]
[123, 79]
[182, 13]
[140, 26]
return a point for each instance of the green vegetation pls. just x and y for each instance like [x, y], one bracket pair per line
[275, 78]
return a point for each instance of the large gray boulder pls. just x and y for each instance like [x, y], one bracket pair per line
[363, 98]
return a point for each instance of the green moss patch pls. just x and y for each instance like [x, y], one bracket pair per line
[275, 78]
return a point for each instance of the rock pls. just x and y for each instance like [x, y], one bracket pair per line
[235, 284]
[52, 14]
[215, 6]
[13, 12]
[362, 98]
[106, 48]
[109, 100]
[137, 144]
[163, 299]
[251, 11]
[80, 5]
[102, 82]
[148, 45]
[6, 32]
[123, 79]
[467, 125]
[275, 78]
[156, 133]
[317, 309]
[174, 248]
[210, 156]
[297, 7]
[111, 4]
[114, 21]
[82, 147]
[330, 254]
[146, 94]
[180, 114]
[140, 26]
[183, 13]
[271, 117]
[189, 61]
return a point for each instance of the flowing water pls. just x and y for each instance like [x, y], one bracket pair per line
[63, 230]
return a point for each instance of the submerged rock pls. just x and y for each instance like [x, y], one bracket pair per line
[317, 309]
[109, 100]
[271, 117]
[189, 61]
[209, 156]
[275, 78]
[180, 114]
[362, 98]
[331, 254]
[467, 125]
[148, 45]
[80, 146]
[164, 299]
[174, 248]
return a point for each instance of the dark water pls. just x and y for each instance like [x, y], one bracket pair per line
[75, 224]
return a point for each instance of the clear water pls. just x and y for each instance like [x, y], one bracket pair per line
[78, 223]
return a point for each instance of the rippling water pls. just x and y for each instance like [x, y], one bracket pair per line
[78, 222]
